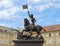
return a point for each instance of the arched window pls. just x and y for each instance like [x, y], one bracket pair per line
[49, 34]
[59, 33]
[1, 30]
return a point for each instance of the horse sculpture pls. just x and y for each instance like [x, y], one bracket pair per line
[30, 28]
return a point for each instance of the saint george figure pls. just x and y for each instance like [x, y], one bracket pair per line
[32, 18]
[30, 15]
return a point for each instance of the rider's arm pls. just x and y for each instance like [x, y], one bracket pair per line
[29, 13]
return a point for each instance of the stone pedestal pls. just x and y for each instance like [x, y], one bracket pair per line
[28, 42]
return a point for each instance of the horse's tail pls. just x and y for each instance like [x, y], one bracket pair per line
[44, 29]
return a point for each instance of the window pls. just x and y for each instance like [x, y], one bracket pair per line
[9, 42]
[1, 30]
[59, 33]
[49, 34]
[5, 30]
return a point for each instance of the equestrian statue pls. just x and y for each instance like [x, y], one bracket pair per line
[30, 27]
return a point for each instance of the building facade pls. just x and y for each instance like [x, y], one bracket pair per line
[52, 35]
[7, 35]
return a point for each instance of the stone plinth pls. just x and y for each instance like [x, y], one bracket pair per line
[28, 42]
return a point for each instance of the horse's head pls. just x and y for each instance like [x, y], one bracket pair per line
[26, 22]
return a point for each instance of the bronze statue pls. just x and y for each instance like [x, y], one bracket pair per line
[30, 28]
